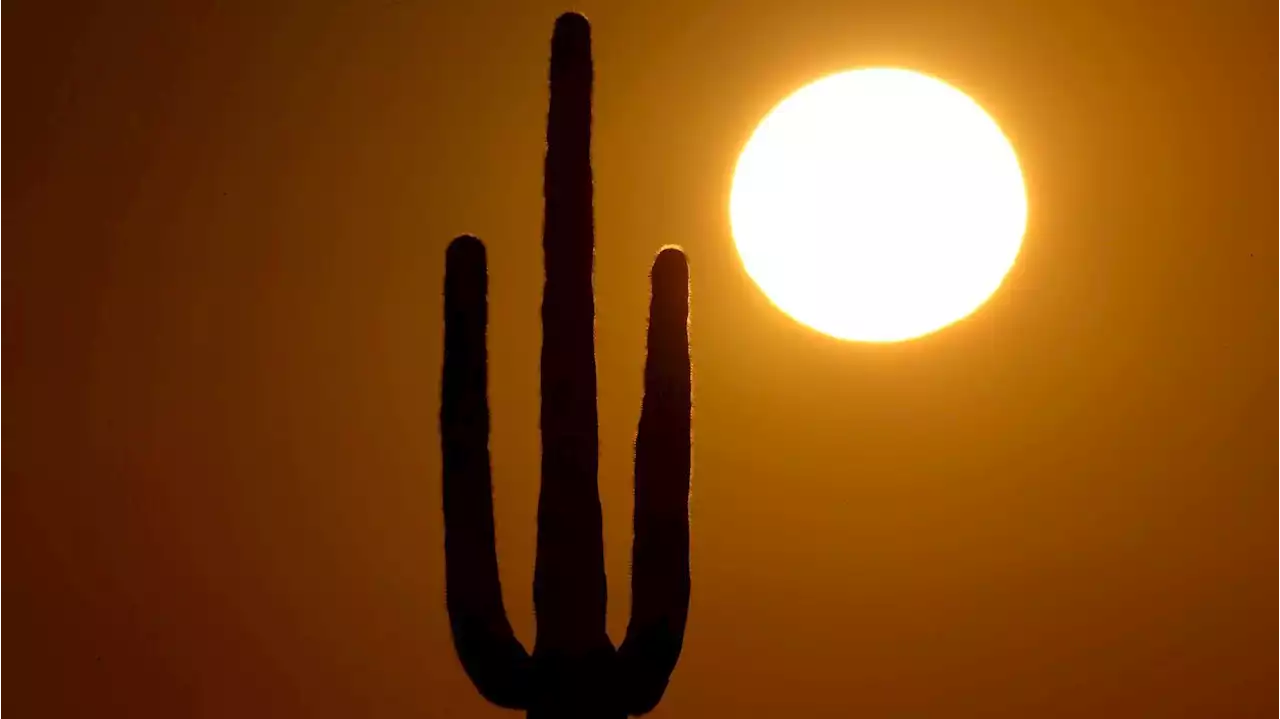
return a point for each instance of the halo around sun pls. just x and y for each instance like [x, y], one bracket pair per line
[878, 205]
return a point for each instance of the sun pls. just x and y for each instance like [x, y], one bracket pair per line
[878, 205]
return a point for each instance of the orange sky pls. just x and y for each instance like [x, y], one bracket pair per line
[222, 317]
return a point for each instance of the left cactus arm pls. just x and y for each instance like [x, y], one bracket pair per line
[491, 655]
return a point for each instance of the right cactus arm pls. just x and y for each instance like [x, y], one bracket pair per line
[660, 554]
[490, 653]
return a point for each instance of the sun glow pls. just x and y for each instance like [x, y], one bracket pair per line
[878, 205]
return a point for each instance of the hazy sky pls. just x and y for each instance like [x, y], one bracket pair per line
[222, 317]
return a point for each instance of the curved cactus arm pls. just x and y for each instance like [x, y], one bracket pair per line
[569, 582]
[491, 655]
[660, 554]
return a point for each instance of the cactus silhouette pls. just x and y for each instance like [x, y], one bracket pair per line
[574, 670]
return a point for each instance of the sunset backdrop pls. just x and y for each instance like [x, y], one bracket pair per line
[222, 333]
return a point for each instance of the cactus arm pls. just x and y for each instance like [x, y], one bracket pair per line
[569, 578]
[491, 655]
[660, 554]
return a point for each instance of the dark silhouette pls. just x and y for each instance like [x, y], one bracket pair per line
[574, 670]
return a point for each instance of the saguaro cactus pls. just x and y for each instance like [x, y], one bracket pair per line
[574, 670]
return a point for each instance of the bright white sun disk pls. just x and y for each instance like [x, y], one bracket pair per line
[878, 205]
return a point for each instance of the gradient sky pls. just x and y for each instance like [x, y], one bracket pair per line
[222, 317]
